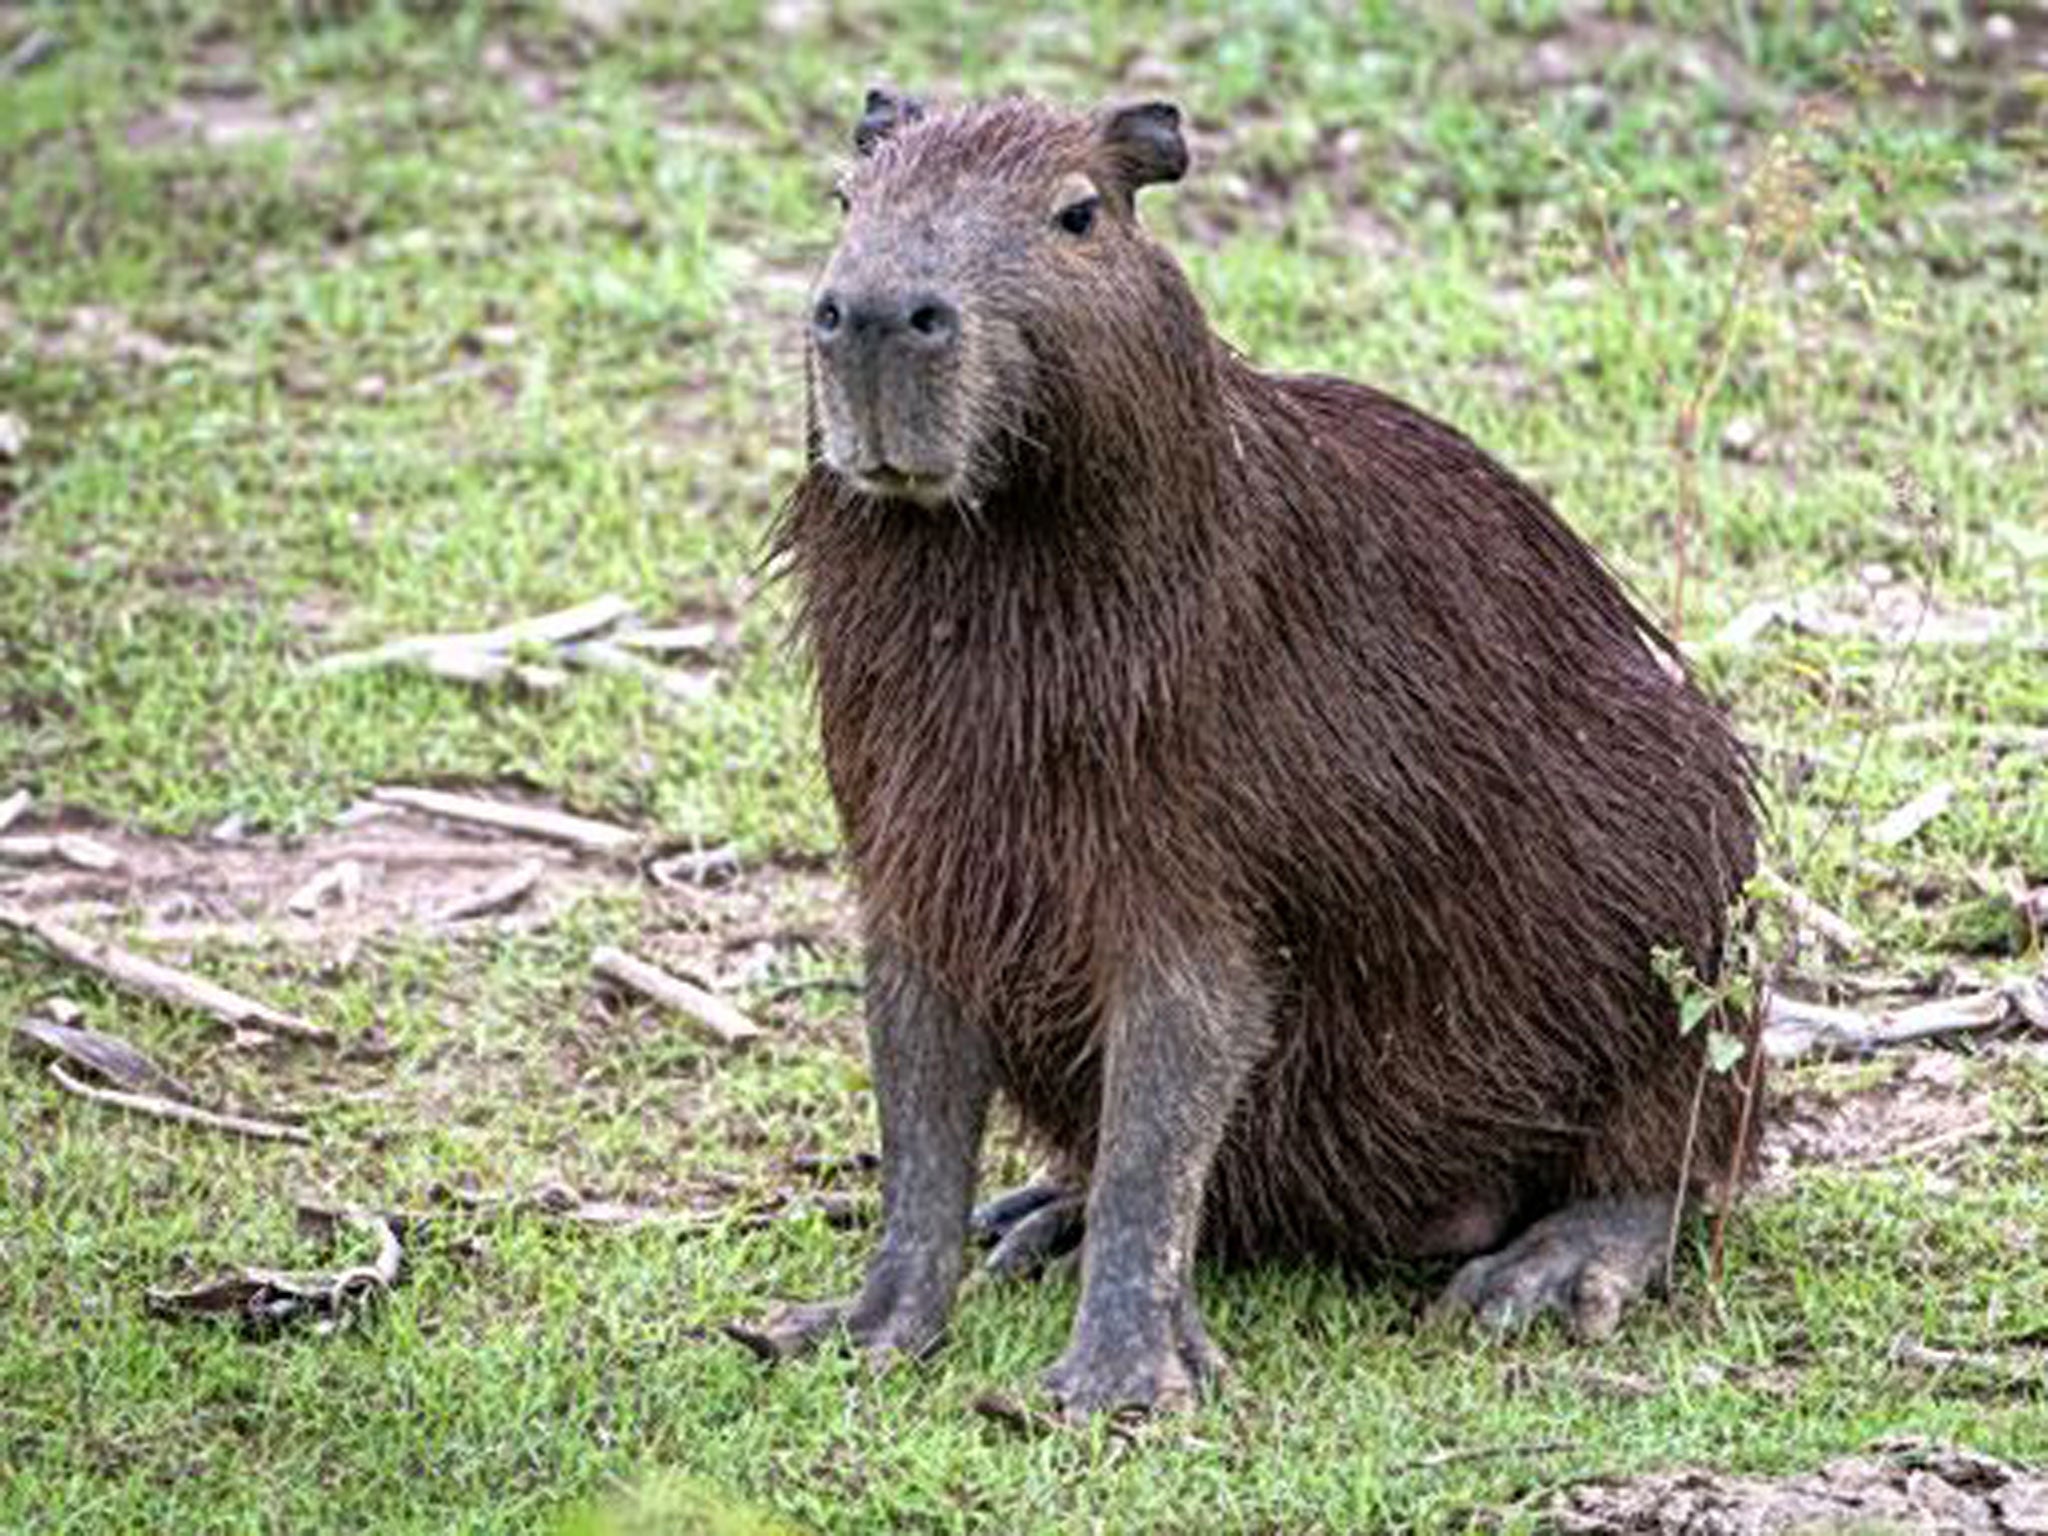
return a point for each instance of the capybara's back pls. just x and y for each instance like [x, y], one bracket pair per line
[1245, 775]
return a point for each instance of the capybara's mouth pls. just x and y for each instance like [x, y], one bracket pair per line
[926, 488]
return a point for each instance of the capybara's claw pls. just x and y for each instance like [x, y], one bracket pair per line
[790, 1331]
[996, 1217]
[892, 1324]
[1032, 1242]
[1584, 1265]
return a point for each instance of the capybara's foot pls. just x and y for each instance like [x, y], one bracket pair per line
[1584, 1264]
[1028, 1228]
[1098, 1374]
[792, 1330]
[892, 1319]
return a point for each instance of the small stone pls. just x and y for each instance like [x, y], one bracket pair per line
[13, 436]
[1999, 30]
[1739, 439]
[1940, 1069]
[372, 387]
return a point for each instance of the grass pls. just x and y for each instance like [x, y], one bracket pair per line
[337, 321]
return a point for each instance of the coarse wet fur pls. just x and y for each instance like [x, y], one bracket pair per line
[1246, 777]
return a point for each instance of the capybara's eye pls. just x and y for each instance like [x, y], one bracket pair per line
[841, 201]
[1079, 218]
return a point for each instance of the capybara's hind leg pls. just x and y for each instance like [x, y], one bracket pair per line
[934, 1075]
[1583, 1264]
[1028, 1228]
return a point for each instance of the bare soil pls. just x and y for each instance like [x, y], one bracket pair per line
[237, 890]
[1898, 1488]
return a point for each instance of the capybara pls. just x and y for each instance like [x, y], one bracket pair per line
[1245, 776]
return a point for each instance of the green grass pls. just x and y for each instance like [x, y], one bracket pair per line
[500, 317]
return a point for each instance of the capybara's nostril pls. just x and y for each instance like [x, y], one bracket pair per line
[826, 318]
[933, 320]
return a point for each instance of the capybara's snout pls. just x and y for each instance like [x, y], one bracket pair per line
[887, 368]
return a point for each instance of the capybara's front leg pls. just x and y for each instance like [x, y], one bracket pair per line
[933, 1075]
[1179, 1044]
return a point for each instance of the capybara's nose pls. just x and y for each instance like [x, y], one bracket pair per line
[922, 321]
[931, 320]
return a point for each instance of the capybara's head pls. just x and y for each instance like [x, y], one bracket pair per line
[992, 294]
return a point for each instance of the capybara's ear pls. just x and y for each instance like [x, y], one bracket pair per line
[881, 115]
[1144, 144]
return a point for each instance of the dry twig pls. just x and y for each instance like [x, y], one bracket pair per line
[604, 656]
[161, 1108]
[341, 882]
[712, 1013]
[62, 848]
[1797, 1031]
[558, 1204]
[698, 866]
[137, 973]
[553, 826]
[700, 641]
[1031, 1423]
[11, 807]
[1831, 926]
[1464, 1453]
[2023, 1371]
[266, 1300]
[1901, 824]
[105, 1055]
[508, 890]
[484, 651]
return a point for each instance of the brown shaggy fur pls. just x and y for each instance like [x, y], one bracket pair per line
[1202, 660]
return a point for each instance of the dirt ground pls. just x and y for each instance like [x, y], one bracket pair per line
[1901, 1488]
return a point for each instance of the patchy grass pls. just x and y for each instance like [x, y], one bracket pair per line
[332, 322]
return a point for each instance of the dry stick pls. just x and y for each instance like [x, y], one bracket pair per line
[1686, 428]
[382, 1271]
[12, 807]
[108, 1056]
[1008, 1412]
[604, 656]
[1833, 1033]
[554, 826]
[171, 1109]
[570, 1209]
[1752, 1089]
[672, 640]
[1692, 1128]
[1492, 1453]
[505, 891]
[546, 629]
[1903, 823]
[270, 1298]
[341, 881]
[1830, 925]
[2012, 1372]
[714, 1014]
[78, 852]
[166, 984]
